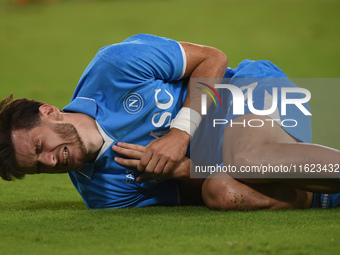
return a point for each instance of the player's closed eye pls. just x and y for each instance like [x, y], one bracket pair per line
[38, 148]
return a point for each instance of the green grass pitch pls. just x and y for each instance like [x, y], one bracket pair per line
[44, 49]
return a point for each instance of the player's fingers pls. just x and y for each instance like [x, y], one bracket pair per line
[131, 153]
[150, 167]
[169, 167]
[144, 161]
[159, 168]
[131, 146]
[127, 162]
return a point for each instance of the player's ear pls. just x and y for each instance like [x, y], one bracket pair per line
[49, 112]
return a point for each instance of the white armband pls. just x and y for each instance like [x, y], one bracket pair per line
[187, 120]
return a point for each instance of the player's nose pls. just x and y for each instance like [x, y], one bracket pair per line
[48, 159]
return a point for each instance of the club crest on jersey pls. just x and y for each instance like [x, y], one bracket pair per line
[133, 103]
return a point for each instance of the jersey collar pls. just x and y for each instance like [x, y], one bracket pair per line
[84, 105]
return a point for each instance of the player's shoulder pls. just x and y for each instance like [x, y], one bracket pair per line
[135, 42]
[147, 38]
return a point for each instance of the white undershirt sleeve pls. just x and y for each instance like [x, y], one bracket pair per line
[184, 61]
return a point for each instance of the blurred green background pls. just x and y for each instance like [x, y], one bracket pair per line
[44, 48]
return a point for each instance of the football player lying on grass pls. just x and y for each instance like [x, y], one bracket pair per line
[145, 88]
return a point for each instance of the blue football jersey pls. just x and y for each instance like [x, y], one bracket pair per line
[133, 90]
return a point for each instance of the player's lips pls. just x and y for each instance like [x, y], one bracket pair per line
[65, 157]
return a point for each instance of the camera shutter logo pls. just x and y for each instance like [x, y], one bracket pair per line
[133, 103]
[204, 97]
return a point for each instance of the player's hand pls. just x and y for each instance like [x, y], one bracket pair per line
[135, 153]
[163, 154]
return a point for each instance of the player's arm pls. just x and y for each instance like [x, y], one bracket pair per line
[202, 62]
[163, 154]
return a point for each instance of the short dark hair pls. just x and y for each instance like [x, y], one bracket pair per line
[16, 114]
